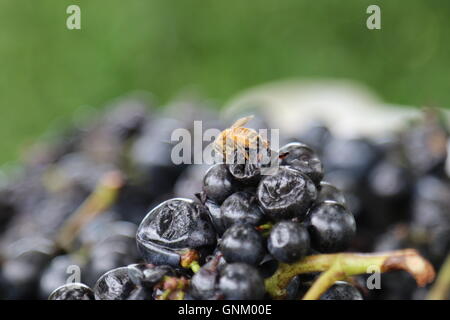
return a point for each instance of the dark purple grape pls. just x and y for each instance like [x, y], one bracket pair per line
[331, 227]
[342, 291]
[247, 174]
[240, 281]
[329, 192]
[116, 284]
[268, 266]
[287, 194]
[301, 157]
[204, 284]
[288, 241]
[241, 207]
[147, 276]
[242, 243]
[215, 213]
[218, 183]
[293, 288]
[173, 227]
[72, 291]
[300, 284]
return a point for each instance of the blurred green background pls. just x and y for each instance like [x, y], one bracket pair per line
[218, 47]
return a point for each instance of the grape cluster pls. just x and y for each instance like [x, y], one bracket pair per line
[254, 225]
[218, 232]
[272, 219]
[397, 186]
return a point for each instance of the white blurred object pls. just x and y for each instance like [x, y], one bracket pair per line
[348, 108]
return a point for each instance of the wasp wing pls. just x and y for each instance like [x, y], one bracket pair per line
[242, 121]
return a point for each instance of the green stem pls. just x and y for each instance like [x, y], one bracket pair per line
[317, 289]
[165, 294]
[189, 260]
[195, 266]
[277, 283]
[265, 229]
[98, 202]
[266, 226]
[441, 288]
[339, 266]
[173, 288]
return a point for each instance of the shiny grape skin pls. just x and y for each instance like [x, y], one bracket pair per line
[247, 174]
[147, 276]
[240, 281]
[288, 241]
[215, 214]
[204, 283]
[242, 243]
[331, 227]
[287, 194]
[72, 291]
[342, 291]
[116, 284]
[241, 207]
[329, 192]
[301, 157]
[175, 226]
[218, 183]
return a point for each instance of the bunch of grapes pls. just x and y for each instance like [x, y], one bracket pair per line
[397, 187]
[106, 205]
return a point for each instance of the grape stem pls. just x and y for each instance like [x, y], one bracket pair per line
[189, 260]
[173, 288]
[98, 202]
[194, 266]
[266, 226]
[441, 288]
[339, 266]
[265, 229]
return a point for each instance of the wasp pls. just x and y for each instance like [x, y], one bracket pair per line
[239, 141]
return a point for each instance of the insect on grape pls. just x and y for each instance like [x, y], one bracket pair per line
[240, 142]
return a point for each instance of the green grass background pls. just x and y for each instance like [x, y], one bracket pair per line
[219, 47]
